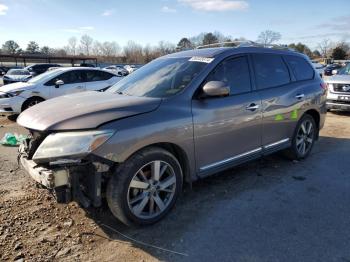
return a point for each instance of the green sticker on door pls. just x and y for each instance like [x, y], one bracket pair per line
[279, 117]
[294, 114]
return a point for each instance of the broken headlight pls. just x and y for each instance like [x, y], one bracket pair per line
[71, 144]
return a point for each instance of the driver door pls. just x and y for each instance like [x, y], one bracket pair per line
[73, 82]
[227, 130]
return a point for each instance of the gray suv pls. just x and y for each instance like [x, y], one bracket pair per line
[179, 118]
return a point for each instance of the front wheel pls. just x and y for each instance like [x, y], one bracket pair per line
[304, 138]
[31, 102]
[145, 187]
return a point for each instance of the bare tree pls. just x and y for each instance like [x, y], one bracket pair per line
[96, 48]
[133, 52]
[86, 43]
[72, 45]
[268, 37]
[325, 47]
[110, 49]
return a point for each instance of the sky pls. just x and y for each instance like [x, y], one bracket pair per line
[52, 22]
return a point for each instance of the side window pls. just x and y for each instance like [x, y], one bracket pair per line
[71, 77]
[270, 71]
[106, 75]
[234, 72]
[301, 68]
[93, 75]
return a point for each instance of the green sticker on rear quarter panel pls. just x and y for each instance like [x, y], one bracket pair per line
[279, 117]
[294, 114]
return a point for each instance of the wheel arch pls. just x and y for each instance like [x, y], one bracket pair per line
[316, 116]
[180, 155]
[31, 98]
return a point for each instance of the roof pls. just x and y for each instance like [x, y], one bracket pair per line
[213, 52]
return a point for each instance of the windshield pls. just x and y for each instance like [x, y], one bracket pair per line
[345, 70]
[163, 77]
[45, 76]
[17, 72]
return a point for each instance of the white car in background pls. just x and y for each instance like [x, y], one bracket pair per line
[15, 98]
[130, 68]
[118, 70]
[318, 67]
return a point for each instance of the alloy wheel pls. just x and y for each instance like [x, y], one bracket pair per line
[305, 137]
[151, 189]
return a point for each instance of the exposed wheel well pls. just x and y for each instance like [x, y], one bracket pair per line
[25, 103]
[180, 155]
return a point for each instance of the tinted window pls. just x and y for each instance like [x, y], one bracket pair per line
[70, 77]
[234, 72]
[94, 75]
[270, 71]
[301, 68]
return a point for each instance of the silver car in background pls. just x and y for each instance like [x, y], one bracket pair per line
[180, 118]
[16, 75]
[338, 96]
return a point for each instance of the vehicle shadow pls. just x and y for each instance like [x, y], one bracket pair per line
[194, 206]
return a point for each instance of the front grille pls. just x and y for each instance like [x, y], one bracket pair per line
[34, 141]
[342, 88]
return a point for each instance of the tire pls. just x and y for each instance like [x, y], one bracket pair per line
[137, 198]
[299, 139]
[31, 102]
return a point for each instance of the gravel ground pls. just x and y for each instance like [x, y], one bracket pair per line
[267, 210]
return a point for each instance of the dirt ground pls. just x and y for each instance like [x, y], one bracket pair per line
[267, 210]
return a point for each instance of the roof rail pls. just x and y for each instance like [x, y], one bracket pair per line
[246, 43]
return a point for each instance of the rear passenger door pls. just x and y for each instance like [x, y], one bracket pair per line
[227, 130]
[98, 80]
[282, 98]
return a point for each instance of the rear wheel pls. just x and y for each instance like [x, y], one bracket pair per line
[304, 137]
[31, 102]
[145, 187]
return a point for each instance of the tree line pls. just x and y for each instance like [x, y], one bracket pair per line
[132, 52]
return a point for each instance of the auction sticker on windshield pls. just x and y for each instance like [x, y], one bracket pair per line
[201, 59]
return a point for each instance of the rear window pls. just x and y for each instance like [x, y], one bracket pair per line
[301, 68]
[270, 71]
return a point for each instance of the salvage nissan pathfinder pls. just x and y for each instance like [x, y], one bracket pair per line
[179, 118]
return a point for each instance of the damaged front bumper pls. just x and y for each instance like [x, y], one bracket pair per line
[68, 180]
[49, 178]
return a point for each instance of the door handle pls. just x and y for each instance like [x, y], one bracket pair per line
[80, 87]
[299, 96]
[252, 107]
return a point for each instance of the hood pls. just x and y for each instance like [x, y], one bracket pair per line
[339, 79]
[16, 86]
[85, 110]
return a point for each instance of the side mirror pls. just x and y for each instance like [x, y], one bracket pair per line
[334, 72]
[216, 88]
[59, 83]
